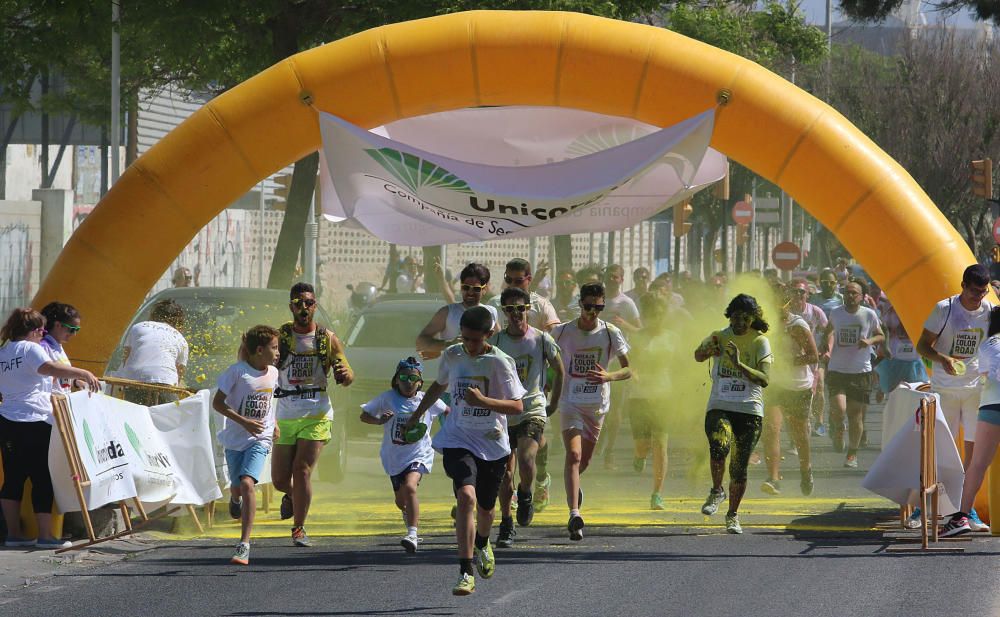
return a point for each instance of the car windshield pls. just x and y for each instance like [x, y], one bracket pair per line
[386, 329]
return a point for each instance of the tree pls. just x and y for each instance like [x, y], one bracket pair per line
[878, 10]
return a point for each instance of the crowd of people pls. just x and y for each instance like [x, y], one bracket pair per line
[521, 367]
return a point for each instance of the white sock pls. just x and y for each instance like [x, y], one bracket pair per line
[573, 513]
[411, 531]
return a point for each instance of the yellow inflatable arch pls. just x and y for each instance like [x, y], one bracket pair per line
[501, 58]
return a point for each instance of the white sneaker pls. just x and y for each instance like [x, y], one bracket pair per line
[913, 522]
[410, 543]
[976, 523]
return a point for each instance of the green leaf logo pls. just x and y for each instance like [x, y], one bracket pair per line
[133, 439]
[89, 438]
[414, 172]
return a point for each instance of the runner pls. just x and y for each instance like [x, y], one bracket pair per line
[308, 351]
[816, 319]
[541, 314]
[852, 332]
[640, 280]
[404, 462]
[950, 341]
[533, 352]
[792, 378]
[566, 301]
[443, 329]
[903, 363]
[474, 442]
[588, 346]
[735, 409]
[624, 314]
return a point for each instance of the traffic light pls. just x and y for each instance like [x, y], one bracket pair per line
[982, 178]
[741, 235]
[682, 212]
[996, 254]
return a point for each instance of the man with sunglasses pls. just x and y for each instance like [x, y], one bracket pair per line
[307, 353]
[588, 345]
[541, 313]
[950, 343]
[444, 328]
[533, 351]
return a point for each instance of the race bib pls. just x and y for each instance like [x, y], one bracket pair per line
[584, 360]
[523, 365]
[848, 336]
[399, 429]
[582, 392]
[469, 417]
[966, 343]
[732, 389]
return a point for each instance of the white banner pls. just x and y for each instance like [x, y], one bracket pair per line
[510, 172]
[184, 425]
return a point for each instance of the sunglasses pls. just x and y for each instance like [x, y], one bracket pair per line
[592, 307]
[474, 288]
[473, 339]
[515, 281]
[73, 329]
[515, 308]
[304, 302]
[409, 378]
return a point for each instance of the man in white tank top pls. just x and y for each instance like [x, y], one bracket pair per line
[443, 329]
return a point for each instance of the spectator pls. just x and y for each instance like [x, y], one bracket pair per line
[182, 277]
[565, 300]
[156, 353]
[26, 423]
[63, 322]
[409, 279]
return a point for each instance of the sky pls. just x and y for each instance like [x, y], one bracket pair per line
[816, 13]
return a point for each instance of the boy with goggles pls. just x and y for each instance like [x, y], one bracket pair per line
[444, 328]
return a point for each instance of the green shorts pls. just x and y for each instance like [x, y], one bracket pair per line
[309, 429]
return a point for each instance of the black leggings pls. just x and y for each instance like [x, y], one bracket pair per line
[732, 430]
[25, 449]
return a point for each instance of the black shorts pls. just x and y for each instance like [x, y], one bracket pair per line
[465, 469]
[856, 386]
[647, 418]
[397, 480]
[532, 428]
[793, 403]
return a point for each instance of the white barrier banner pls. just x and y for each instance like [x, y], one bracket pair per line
[596, 173]
[184, 426]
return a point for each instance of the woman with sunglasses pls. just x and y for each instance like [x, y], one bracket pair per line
[26, 374]
[404, 461]
[63, 321]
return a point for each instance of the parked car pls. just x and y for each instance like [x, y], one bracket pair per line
[215, 319]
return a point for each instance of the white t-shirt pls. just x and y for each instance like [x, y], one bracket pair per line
[731, 390]
[541, 314]
[250, 393]
[396, 454]
[532, 354]
[26, 394]
[452, 323]
[959, 338]
[621, 306]
[988, 363]
[156, 349]
[848, 329]
[788, 375]
[581, 352]
[482, 432]
[303, 369]
[58, 355]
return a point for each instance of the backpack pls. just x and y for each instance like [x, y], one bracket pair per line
[286, 342]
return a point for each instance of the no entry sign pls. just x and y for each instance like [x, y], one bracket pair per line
[742, 213]
[996, 230]
[786, 256]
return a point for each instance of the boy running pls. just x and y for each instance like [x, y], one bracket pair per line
[589, 344]
[405, 462]
[245, 398]
[474, 443]
[533, 352]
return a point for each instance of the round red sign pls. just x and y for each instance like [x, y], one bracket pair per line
[996, 230]
[742, 213]
[786, 256]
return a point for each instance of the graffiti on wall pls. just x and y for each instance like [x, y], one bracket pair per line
[15, 267]
[218, 255]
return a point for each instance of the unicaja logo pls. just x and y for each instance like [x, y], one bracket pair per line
[414, 172]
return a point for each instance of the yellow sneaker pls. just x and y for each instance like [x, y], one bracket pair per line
[465, 586]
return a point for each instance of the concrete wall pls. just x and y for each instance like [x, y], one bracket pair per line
[20, 253]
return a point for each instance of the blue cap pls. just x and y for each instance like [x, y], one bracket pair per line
[410, 363]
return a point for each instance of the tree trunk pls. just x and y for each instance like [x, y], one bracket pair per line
[564, 254]
[291, 236]
[708, 255]
[132, 138]
[970, 235]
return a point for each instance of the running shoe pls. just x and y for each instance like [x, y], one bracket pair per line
[505, 539]
[242, 554]
[712, 503]
[51, 543]
[465, 586]
[807, 483]
[733, 524]
[755, 458]
[525, 509]
[410, 542]
[656, 502]
[820, 430]
[541, 496]
[638, 464]
[851, 462]
[286, 510]
[14, 542]
[299, 537]
[235, 508]
[913, 522]
[976, 523]
[955, 526]
[793, 450]
[771, 487]
[575, 527]
[486, 564]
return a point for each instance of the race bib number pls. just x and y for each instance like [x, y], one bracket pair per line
[731, 389]
[582, 392]
[966, 343]
[469, 417]
[257, 404]
[399, 430]
[848, 336]
[906, 347]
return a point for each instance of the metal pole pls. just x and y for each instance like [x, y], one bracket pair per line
[533, 252]
[752, 240]
[260, 237]
[116, 67]
[312, 234]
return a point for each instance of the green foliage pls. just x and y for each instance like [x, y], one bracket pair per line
[878, 10]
